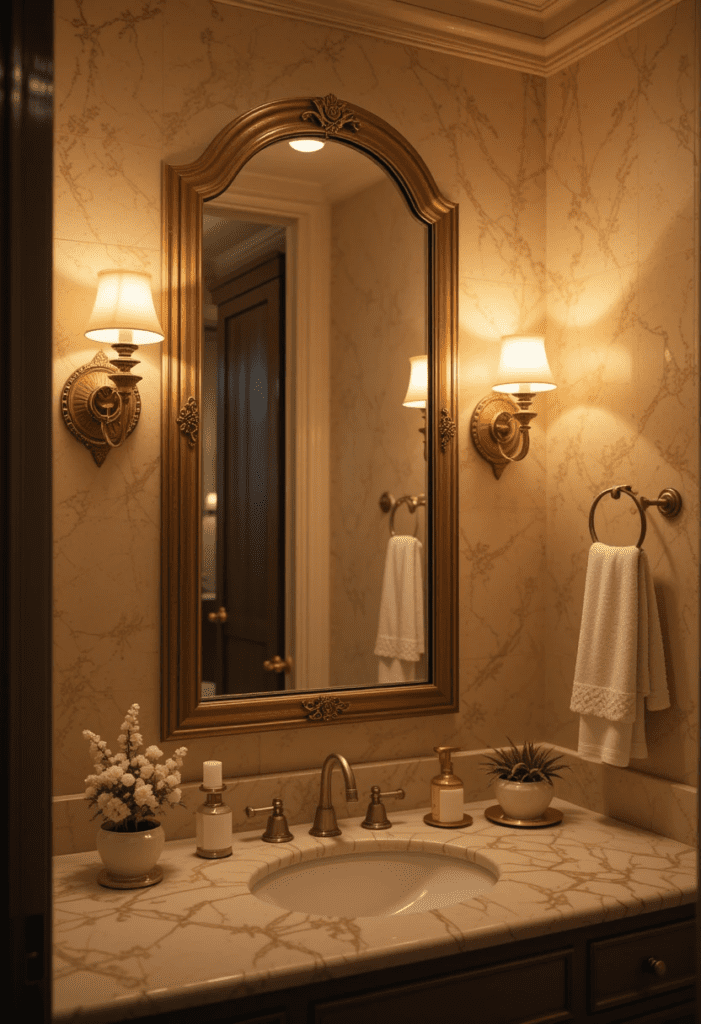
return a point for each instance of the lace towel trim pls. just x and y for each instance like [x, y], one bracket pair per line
[395, 647]
[603, 703]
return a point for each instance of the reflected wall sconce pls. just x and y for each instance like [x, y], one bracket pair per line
[500, 424]
[100, 401]
[417, 392]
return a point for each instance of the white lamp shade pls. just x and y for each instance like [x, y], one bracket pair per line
[523, 366]
[124, 303]
[417, 392]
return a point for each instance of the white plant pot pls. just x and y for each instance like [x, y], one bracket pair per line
[130, 858]
[523, 801]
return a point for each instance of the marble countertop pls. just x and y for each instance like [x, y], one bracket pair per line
[200, 936]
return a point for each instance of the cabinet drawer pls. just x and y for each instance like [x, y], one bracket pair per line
[522, 992]
[619, 971]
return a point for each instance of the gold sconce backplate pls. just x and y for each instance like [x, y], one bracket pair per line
[484, 434]
[91, 383]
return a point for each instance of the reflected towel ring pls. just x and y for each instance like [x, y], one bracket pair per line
[615, 492]
[388, 503]
[668, 503]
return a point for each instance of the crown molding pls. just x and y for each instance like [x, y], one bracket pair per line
[540, 37]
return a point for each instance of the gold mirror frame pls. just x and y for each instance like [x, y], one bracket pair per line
[185, 187]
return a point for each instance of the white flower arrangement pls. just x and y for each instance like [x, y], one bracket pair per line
[129, 787]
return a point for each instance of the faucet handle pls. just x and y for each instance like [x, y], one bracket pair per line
[276, 830]
[376, 816]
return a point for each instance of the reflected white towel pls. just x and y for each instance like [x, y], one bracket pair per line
[400, 633]
[620, 659]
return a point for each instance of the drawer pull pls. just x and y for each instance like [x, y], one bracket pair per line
[653, 966]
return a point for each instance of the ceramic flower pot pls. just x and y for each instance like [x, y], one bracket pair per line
[523, 801]
[130, 858]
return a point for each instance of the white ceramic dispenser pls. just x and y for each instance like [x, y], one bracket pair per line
[447, 796]
[213, 819]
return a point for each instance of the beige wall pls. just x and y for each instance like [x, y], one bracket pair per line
[623, 271]
[140, 83]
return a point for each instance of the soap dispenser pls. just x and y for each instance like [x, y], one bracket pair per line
[447, 795]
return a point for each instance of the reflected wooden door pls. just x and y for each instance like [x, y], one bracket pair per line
[251, 474]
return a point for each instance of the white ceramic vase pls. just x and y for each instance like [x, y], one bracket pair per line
[523, 801]
[130, 858]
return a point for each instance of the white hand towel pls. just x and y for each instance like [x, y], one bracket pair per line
[400, 633]
[620, 659]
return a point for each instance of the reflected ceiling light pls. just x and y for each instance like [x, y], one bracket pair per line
[100, 402]
[307, 145]
[417, 392]
[501, 421]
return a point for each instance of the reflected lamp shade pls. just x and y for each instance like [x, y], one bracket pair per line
[523, 366]
[417, 392]
[124, 303]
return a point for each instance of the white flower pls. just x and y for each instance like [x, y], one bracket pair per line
[172, 780]
[114, 773]
[147, 770]
[116, 810]
[153, 752]
[143, 794]
[174, 797]
[90, 792]
[103, 800]
[128, 779]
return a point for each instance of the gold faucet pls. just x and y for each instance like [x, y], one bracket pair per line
[325, 818]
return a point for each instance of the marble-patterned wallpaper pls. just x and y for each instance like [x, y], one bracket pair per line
[378, 321]
[623, 274]
[141, 81]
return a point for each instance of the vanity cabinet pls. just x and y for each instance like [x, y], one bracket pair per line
[638, 970]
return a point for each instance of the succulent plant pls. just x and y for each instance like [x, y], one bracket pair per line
[526, 763]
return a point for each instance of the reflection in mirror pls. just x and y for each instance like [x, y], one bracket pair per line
[263, 631]
[362, 287]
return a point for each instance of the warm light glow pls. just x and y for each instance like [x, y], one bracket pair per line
[417, 392]
[210, 501]
[523, 366]
[124, 303]
[307, 145]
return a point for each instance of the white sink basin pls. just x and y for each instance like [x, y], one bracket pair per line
[374, 884]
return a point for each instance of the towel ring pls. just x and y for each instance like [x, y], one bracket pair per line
[388, 503]
[669, 502]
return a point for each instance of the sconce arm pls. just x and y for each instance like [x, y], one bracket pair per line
[523, 417]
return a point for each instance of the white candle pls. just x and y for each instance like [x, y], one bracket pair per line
[212, 774]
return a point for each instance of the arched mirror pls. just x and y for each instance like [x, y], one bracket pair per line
[309, 559]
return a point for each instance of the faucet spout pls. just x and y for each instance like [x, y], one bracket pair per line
[325, 823]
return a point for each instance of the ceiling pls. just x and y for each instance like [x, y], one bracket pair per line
[537, 36]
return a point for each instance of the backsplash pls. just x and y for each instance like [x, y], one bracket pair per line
[653, 804]
[138, 83]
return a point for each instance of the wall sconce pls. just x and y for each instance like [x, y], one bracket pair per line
[501, 422]
[417, 392]
[100, 401]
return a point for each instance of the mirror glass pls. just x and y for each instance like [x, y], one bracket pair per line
[301, 588]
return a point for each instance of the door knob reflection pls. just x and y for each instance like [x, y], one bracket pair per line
[276, 664]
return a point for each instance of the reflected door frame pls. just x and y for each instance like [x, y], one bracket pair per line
[307, 572]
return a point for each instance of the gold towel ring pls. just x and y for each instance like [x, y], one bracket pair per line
[669, 503]
[388, 503]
